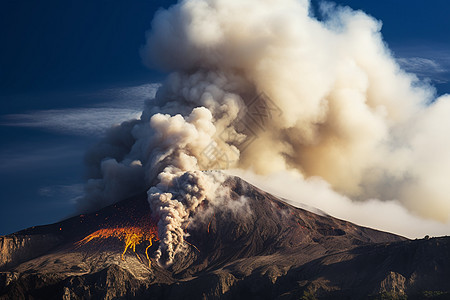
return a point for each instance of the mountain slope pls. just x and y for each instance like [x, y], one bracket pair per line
[260, 247]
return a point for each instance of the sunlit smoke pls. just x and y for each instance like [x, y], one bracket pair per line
[263, 85]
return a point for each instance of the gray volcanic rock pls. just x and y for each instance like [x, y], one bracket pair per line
[19, 248]
[269, 250]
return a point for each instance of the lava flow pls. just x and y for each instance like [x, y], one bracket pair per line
[130, 235]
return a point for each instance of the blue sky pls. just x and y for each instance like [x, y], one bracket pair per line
[70, 69]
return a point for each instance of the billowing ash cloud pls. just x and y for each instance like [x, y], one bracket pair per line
[263, 85]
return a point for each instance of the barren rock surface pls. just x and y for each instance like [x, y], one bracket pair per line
[273, 250]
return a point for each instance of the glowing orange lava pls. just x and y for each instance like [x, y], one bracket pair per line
[209, 224]
[130, 235]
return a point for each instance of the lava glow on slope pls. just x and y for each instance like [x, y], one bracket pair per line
[131, 235]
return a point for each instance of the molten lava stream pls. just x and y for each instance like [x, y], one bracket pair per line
[130, 235]
[209, 224]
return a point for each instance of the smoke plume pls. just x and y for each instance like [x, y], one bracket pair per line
[263, 85]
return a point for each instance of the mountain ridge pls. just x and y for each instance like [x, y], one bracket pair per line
[265, 249]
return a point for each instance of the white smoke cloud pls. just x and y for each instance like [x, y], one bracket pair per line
[174, 201]
[333, 104]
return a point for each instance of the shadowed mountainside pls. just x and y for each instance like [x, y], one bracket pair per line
[263, 249]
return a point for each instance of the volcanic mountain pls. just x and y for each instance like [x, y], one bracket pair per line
[259, 248]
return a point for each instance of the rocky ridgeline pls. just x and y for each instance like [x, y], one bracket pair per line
[273, 250]
[15, 249]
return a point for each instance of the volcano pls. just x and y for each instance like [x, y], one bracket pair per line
[263, 248]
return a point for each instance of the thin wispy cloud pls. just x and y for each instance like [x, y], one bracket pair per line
[427, 62]
[119, 104]
[70, 192]
[425, 68]
[78, 121]
[19, 159]
[130, 97]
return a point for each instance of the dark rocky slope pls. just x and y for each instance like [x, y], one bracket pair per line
[271, 250]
